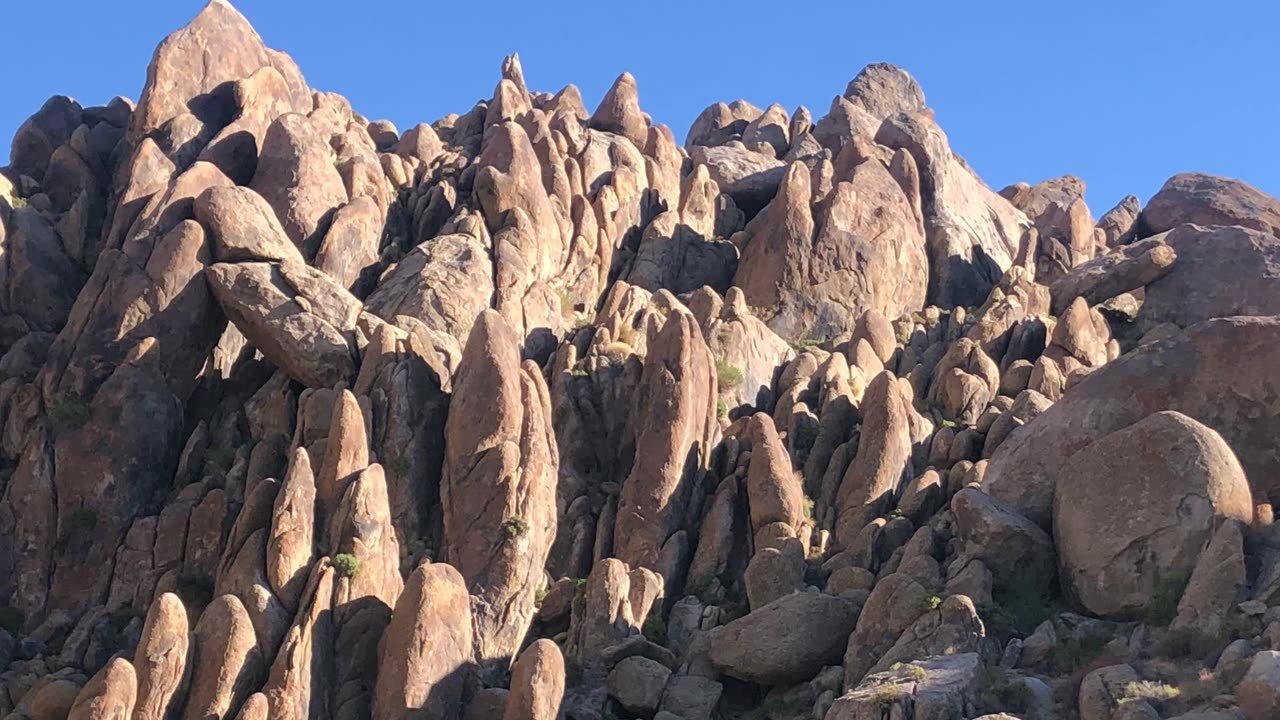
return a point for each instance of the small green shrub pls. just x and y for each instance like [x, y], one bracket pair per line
[722, 409]
[218, 461]
[195, 590]
[10, 619]
[1020, 607]
[886, 695]
[83, 518]
[1163, 607]
[699, 585]
[578, 372]
[915, 672]
[935, 601]
[1187, 642]
[728, 376]
[515, 526]
[806, 343]
[68, 412]
[1153, 691]
[998, 692]
[572, 671]
[655, 629]
[122, 616]
[347, 565]
[17, 202]
[400, 466]
[1075, 653]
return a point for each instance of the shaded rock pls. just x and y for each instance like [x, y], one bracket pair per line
[973, 234]
[1217, 372]
[1219, 579]
[1138, 505]
[786, 641]
[895, 603]
[750, 178]
[1012, 547]
[498, 489]
[1220, 272]
[160, 661]
[427, 648]
[297, 316]
[537, 683]
[637, 684]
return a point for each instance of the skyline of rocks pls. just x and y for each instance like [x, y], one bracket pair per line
[533, 413]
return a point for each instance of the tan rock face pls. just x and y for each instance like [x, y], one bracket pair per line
[1062, 219]
[427, 650]
[773, 488]
[445, 283]
[297, 178]
[109, 695]
[227, 665]
[1138, 506]
[973, 234]
[670, 433]
[294, 314]
[184, 76]
[1220, 272]
[498, 490]
[161, 660]
[1211, 373]
[1209, 200]
[537, 683]
[291, 545]
[883, 461]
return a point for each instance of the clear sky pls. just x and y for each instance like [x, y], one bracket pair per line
[1123, 93]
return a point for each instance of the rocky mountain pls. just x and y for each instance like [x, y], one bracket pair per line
[533, 413]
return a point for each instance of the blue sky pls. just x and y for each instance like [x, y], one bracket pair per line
[1123, 94]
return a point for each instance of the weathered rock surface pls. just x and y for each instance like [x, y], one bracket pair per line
[1137, 506]
[786, 641]
[1216, 372]
[1201, 199]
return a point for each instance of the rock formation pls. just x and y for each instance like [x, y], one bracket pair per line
[540, 411]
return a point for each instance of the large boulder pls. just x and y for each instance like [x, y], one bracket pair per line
[815, 269]
[498, 490]
[1221, 373]
[297, 316]
[1062, 220]
[1209, 200]
[445, 282]
[427, 649]
[671, 430]
[1012, 547]
[787, 641]
[750, 178]
[185, 77]
[1220, 272]
[1136, 507]
[973, 234]
[942, 687]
